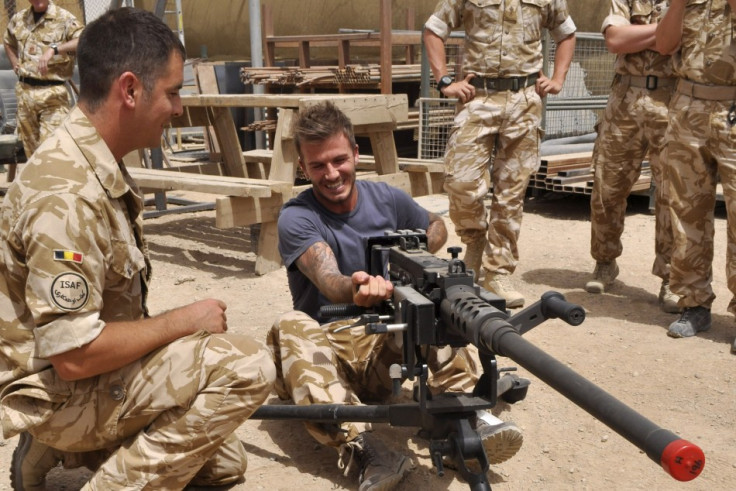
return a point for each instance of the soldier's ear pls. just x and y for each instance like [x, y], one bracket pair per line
[127, 85]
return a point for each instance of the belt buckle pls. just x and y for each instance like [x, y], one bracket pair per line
[515, 84]
[651, 82]
[490, 84]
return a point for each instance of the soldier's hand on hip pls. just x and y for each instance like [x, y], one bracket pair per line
[461, 90]
[546, 85]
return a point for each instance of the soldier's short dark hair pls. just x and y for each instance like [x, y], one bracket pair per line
[319, 122]
[121, 40]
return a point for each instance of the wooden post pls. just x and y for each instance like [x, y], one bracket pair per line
[267, 28]
[386, 55]
[410, 49]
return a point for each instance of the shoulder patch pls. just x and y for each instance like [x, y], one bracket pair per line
[70, 291]
[74, 256]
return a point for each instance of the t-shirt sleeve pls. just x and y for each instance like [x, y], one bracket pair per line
[410, 215]
[298, 230]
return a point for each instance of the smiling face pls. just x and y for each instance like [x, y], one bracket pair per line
[162, 103]
[330, 165]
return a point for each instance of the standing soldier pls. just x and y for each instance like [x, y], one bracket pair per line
[500, 110]
[700, 149]
[634, 123]
[40, 42]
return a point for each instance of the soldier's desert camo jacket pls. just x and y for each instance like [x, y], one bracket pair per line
[701, 146]
[73, 259]
[41, 108]
[502, 39]
[632, 127]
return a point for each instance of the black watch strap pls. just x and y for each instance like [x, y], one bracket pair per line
[444, 81]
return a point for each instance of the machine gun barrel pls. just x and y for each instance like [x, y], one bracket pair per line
[488, 331]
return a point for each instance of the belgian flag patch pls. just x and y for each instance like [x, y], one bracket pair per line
[73, 256]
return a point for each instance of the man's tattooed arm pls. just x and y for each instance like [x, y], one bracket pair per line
[319, 264]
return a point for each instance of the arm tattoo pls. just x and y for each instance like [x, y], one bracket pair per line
[436, 233]
[319, 264]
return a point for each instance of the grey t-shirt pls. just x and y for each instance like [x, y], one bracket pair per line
[303, 221]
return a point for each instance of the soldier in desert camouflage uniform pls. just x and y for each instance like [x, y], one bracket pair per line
[632, 127]
[498, 116]
[40, 42]
[87, 377]
[700, 149]
[322, 237]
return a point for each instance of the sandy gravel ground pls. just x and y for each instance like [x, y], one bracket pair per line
[685, 385]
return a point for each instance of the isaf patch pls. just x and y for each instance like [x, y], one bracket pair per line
[73, 256]
[70, 291]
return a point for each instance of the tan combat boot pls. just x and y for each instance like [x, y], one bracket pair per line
[30, 463]
[501, 285]
[668, 301]
[473, 257]
[603, 277]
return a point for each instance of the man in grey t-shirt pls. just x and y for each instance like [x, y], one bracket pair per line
[321, 240]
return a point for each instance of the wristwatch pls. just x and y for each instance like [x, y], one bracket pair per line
[55, 47]
[444, 81]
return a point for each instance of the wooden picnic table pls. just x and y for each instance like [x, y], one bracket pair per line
[375, 116]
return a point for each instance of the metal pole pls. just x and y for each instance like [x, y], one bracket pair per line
[256, 60]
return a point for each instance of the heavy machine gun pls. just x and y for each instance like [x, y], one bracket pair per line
[437, 303]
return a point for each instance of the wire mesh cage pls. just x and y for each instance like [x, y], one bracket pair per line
[575, 110]
[435, 120]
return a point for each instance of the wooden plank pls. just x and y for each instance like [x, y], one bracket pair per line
[285, 158]
[386, 46]
[268, 258]
[364, 110]
[206, 168]
[330, 39]
[258, 155]
[230, 186]
[568, 158]
[228, 141]
[384, 151]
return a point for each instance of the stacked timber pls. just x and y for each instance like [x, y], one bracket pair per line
[350, 75]
[573, 173]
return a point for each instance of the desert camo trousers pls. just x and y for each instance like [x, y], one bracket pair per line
[40, 111]
[634, 123]
[701, 146]
[499, 129]
[158, 423]
[316, 365]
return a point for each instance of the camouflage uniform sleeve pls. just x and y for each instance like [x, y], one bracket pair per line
[73, 28]
[559, 23]
[66, 244]
[9, 36]
[619, 15]
[446, 17]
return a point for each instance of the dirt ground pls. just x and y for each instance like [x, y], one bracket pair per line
[685, 385]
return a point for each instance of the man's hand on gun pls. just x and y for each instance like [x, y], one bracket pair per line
[370, 290]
